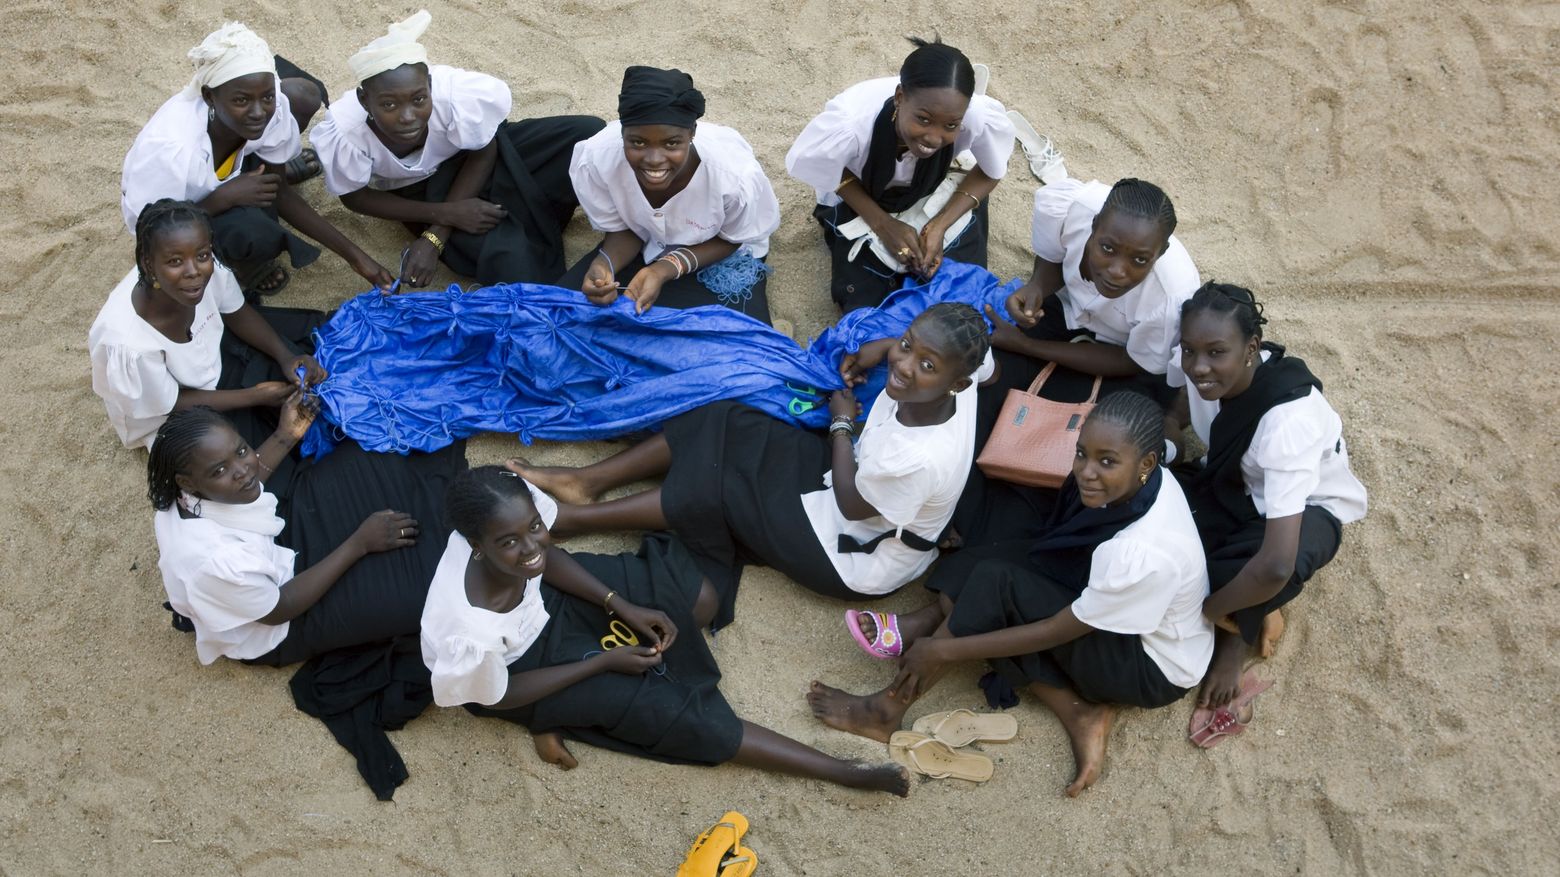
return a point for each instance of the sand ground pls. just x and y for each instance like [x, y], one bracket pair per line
[1381, 171]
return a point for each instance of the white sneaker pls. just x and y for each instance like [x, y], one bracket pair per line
[1045, 160]
[982, 77]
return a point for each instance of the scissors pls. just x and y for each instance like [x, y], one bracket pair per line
[620, 636]
[800, 406]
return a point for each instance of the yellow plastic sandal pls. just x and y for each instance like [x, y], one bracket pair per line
[711, 849]
[742, 863]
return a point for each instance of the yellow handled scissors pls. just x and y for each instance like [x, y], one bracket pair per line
[620, 636]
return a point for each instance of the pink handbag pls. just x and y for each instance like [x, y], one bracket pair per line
[1035, 439]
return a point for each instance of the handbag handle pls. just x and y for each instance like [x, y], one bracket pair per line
[1050, 367]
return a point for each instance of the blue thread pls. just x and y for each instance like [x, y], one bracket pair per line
[732, 279]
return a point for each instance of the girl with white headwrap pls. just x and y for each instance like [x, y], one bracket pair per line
[222, 143]
[428, 146]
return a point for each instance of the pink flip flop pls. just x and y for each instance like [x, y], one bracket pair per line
[1209, 726]
[887, 645]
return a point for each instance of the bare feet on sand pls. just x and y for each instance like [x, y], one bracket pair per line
[1272, 632]
[889, 778]
[1088, 728]
[874, 716]
[550, 747]
[1222, 682]
[560, 482]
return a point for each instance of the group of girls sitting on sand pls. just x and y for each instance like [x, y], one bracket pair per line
[1131, 585]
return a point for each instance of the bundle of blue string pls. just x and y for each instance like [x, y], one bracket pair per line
[416, 372]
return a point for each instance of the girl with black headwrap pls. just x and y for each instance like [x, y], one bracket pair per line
[685, 206]
[879, 155]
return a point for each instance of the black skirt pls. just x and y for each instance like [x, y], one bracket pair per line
[865, 281]
[734, 495]
[1320, 536]
[1100, 666]
[243, 367]
[531, 182]
[678, 716]
[684, 292]
[381, 596]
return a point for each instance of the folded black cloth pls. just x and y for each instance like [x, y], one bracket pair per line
[361, 693]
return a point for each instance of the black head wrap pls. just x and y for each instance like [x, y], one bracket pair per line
[652, 96]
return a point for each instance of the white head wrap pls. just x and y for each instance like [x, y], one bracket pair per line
[229, 52]
[398, 46]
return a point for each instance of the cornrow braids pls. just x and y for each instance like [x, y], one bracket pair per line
[963, 330]
[176, 439]
[158, 217]
[1136, 197]
[1140, 416]
[476, 493]
[935, 64]
[1227, 298]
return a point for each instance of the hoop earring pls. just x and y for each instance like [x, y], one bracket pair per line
[211, 114]
[476, 555]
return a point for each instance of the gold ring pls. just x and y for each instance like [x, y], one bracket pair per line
[904, 251]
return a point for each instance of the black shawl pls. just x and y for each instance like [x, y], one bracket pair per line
[1066, 552]
[883, 157]
[1218, 493]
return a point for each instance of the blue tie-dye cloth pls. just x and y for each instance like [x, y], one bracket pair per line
[416, 372]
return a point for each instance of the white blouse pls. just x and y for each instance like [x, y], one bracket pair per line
[467, 110]
[728, 197]
[1150, 579]
[468, 649]
[138, 371]
[838, 138]
[913, 476]
[1297, 455]
[225, 579]
[172, 156]
[1147, 319]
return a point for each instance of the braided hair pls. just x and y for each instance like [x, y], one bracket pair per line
[1227, 298]
[1135, 197]
[158, 217]
[935, 64]
[176, 440]
[965, 336]
[1139, 416]
[476, 493]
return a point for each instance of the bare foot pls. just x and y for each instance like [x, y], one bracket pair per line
[889, 778]
[1272, 632]
[1089, 730]
[874, 716]
[560, 482]
[1222, 682]
[550, 747]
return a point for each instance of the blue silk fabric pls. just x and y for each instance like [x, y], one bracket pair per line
[415, 372]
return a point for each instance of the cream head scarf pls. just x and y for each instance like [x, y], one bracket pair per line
[229, 52]
[398, 46]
